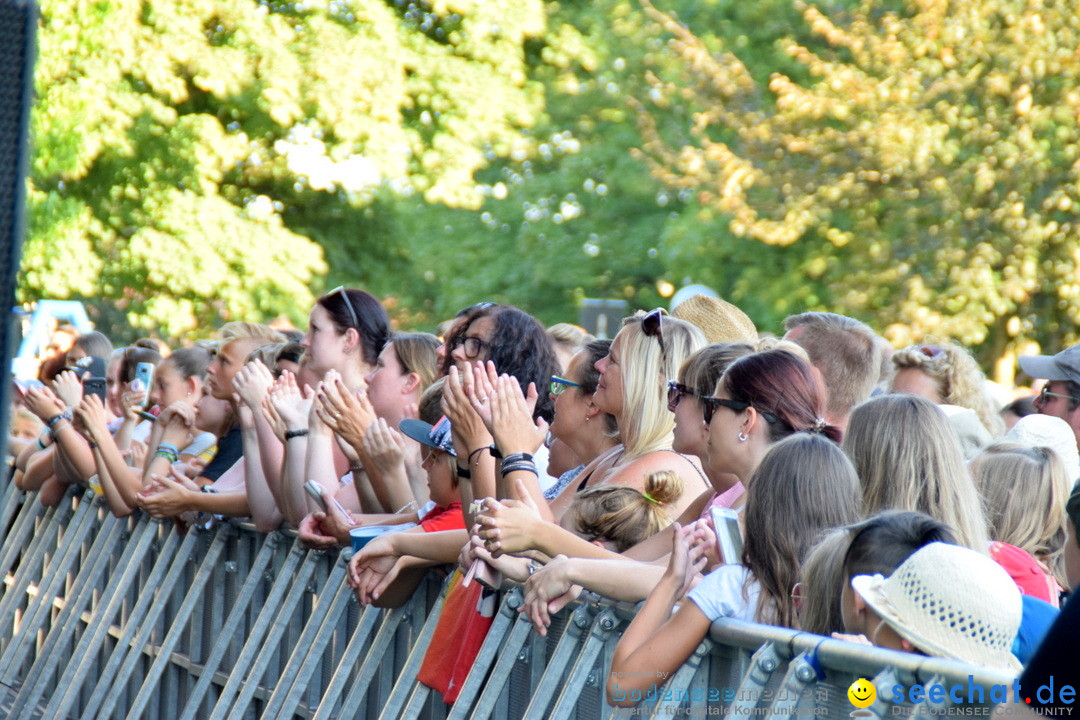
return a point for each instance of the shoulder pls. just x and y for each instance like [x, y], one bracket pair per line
[634, 472]
[721, 593]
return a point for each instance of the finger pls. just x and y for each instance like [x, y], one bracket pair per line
[524, 495]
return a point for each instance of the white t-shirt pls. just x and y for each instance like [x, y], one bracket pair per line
[720, 594]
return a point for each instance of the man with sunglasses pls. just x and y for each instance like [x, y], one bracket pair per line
[1060, 396]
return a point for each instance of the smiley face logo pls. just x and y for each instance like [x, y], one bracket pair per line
[862, 693]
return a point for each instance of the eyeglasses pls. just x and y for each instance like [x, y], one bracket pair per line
[348, 305]
[1045, 395]
[653, 326]
[559, 385]
[675, 392]
[473, 345]
[709, 405]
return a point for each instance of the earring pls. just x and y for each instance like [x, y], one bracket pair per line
[742, 437]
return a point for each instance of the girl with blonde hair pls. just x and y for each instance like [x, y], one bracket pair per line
[908, 458]
[1024, 490]
[946, 374]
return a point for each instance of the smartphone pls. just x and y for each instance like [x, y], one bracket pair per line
[147, 416]
[144, 373]
[484, 574]
[315, 490]
[94, 386]
[729, 539]
[21, 386]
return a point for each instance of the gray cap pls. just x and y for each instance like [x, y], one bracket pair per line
[1063, 366]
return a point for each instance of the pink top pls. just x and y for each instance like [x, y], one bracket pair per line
[724, 499]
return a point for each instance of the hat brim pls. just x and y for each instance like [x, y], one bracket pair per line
[871, 589]
[419, 431]
[1042, 367]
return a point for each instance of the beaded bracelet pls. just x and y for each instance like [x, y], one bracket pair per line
[289, 435]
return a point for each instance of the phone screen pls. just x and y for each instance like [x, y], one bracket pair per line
[729, 539]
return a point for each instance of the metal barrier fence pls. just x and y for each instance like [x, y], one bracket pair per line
[133, 618]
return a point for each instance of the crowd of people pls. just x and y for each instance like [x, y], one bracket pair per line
[819, 480]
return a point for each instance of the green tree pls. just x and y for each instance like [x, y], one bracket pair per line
[924, 176]
[188, 155]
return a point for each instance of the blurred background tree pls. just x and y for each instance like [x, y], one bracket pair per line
[924, 178]
[912, 164]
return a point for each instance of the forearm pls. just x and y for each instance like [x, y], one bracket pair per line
[123, 434]
[271, 456]
[624, 580]
[38, 470]
[532, 485]
[75, 450]
[439, 547]
[124, 481]
[231, 504]
[553, 540]
[264, 509]
[292, 480]
[118, 503]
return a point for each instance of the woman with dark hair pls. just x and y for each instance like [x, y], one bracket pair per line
[91, 344]
[347, 330]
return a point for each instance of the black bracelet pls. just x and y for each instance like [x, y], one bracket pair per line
[463, 472]
[515, 457]
[508, 468]
[478, 450]
[290, 434]
[208, 489]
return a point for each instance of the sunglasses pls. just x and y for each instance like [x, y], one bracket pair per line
[675, 393]
[348, 305]
[710, 404]
[932, 351]
[652, 324]
[559, 385]
[1045, 395]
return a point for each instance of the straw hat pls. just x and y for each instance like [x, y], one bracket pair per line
[718, 319]
[1051, 432]
[949, 601]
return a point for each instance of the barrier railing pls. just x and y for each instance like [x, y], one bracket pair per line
[135, 618]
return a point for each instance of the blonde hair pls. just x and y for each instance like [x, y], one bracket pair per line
[646, 424]
[908, 458]
[569, 336]
[1024, 490]
[416, 354]
[623, 515]
[239, 329]
[960, 381]
[267, 354]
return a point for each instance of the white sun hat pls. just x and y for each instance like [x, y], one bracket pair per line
[1052, 432]
[949, 601]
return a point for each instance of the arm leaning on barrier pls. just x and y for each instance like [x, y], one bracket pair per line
[657, 642]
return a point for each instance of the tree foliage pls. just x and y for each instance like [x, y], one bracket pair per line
[924, 176]
[173, 140]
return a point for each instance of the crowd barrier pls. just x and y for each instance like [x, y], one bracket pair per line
[134, 618]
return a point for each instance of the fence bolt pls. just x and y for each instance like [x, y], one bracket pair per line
[768, 664]
[591, 680]
[522, 656]
[230, 566]
[606, 623]
[804, 673]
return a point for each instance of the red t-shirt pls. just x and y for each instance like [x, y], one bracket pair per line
[444, 518]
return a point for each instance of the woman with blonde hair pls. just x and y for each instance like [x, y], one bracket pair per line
[908, 458]
[946, 375]
[1024, 490]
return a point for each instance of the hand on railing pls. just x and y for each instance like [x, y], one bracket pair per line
[373, 568]
[548, 591]
[509, 526]
[313, 534]
[166, 495]
[513, 567]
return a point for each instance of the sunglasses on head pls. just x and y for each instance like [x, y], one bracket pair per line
[652, 324]
[710, 404]
[348, 305]
[932, 351]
